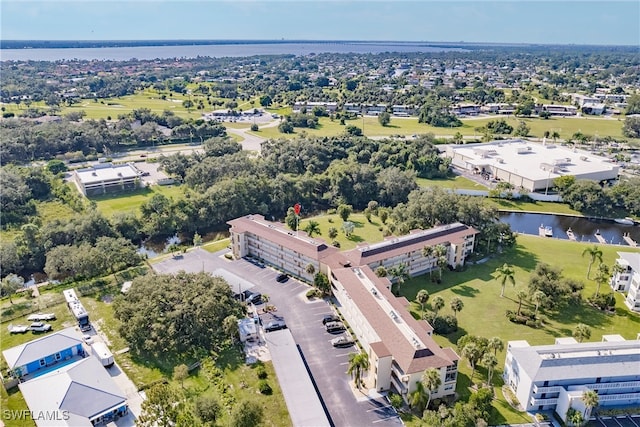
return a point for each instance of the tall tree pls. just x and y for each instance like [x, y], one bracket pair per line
[437, 304]
[456, 305]
[521, 295]
[591, 400]
[594, 253]
[505, 274]
[582, 332]
[313, 227]
[358, 365]
[344, 211]
[490, 361]
[472, 353]
[11, 284]
[422, 297]
[419, 398]
[432, 381]
[602, 277]
[427, 252]
[161, 408]
[180, 373]
[538, 298]
[495, 344]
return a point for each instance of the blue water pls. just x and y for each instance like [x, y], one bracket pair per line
[213, 50]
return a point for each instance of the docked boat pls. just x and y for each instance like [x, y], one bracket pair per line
[625, 221]
[570, 234]
[545, 231]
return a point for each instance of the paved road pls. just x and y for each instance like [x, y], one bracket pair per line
[328, 365]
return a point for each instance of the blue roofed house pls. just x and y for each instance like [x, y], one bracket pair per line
[80, 394]
[36, 357]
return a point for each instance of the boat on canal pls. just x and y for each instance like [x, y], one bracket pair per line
[625, 221]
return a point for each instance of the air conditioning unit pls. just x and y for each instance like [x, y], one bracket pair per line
[405, 378]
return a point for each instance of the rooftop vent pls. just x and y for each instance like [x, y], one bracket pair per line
[393, 315]
[373, 291]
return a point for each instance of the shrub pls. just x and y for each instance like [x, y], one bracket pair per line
[261, 372]
[603, 301]
[313, 293]
[254, 127]
[264, 387]
[442, 325]
[335, 243]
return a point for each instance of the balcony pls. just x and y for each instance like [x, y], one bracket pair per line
[544, 402]
[551, 389]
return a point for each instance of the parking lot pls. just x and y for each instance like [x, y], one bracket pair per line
[619, 421]
[328, 365]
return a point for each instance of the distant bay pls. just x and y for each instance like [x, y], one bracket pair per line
[218, 50]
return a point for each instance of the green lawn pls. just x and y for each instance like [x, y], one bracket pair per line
[130, 202]
[566, 127]
[457, 182]
[534, 206]
[216, 246]
[13, 401]
[364, 231]
[484, 311]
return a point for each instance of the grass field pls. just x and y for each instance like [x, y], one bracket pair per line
[534, 206]
[566, 127]
[455, 183]
[484, 311]
[364, 231]
[130, 202]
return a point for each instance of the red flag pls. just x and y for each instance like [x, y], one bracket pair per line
[296, 208]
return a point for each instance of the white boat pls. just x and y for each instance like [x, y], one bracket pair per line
[548, 231]
[625, 221]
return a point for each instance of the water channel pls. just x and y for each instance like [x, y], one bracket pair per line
[584, 229]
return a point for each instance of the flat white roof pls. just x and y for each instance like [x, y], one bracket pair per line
[111, 172]
[525, 158]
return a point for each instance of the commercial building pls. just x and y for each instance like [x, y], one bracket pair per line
[80, 394]
[627, 279]
[529, 165]
[554, 377]
[107, 177]
[400, 348]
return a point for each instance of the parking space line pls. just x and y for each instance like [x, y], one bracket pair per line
[379, 408]
[343, 363]
[385, 419]
[343, 354]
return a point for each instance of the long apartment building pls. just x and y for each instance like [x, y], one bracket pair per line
[399, 347]
[628, 278]
[553, 377]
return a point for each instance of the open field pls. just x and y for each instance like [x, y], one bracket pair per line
[534, 206]
[455, 183]
[484, 311]
[566, 127]
[130, 202]
[364, 231]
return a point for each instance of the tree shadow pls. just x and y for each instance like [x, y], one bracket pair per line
[355, 238]
[465, 291]
[231, 357]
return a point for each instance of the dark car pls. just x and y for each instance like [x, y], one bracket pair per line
[282, 278]
[330, 318]
[343, 341]
[275, 326]
[332, 327]
[254, 298]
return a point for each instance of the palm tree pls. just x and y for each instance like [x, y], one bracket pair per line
[555, 135]
[310, 269]
[582, 332]
[381, 271]
[422, 298]
[495, 344]
[520, 295]
[313, 227]
[472, 353]
[594, 254]
[442, 263]
[432, 381]
[574, 417]
[591, 400]
[505, 274]
[538, 297]
[427, 252]
[437, 303]
[456, 305]
[490, 361]
[602, 277]
[419, 398]
[358, 364]
[440, 251]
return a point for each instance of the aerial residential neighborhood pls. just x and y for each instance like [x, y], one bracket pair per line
[303, 214]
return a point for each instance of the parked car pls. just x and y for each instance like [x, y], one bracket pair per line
[282, 278]
[41, 316]
[88, 339]
[40, 327]
[330, 318]
[335, 327]
[342, 341]
[275, 326]
[254, 298]
[18, 329]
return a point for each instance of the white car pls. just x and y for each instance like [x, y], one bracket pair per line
[88, 339]
[41, 316]
[40, 327]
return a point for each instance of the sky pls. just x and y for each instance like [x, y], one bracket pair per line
[516, 21]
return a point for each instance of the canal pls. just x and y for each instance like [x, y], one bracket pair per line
[584, 229]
